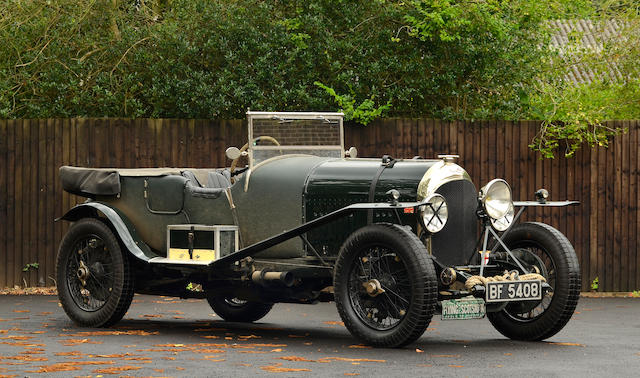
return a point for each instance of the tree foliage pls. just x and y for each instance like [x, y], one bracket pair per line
[450, 59]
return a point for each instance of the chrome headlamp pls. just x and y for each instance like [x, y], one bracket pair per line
[434, 213]
[496, 199]
[505, 222]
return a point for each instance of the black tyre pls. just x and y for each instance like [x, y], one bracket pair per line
[539, 321]
[95, 284]
[238, 310]
[385, 285]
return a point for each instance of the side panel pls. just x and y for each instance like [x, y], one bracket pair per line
[273, 203]
[339, 183]
[166, 204]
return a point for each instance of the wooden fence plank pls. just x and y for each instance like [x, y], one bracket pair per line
[38, 202]
[57, 199]
[594, 229]
[3, 200]
[634, 201]
[46, 194]
[623, 199]
[12, 212]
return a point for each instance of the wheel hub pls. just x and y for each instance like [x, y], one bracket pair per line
[373, 287]
[83, 273]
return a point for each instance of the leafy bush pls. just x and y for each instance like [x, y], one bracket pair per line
[450, 59]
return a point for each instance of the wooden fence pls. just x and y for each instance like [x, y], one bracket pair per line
[604, 228]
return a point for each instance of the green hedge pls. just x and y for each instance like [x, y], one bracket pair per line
[210, 59]
[451, 59]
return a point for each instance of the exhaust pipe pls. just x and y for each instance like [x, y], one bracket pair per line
[264, 278]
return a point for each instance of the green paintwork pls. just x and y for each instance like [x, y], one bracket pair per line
[339, 183]
[280, 195]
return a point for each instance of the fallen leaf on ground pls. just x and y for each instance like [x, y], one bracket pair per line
[565, 344]
[278, 369]
[418, 350]
[151, 316]
[25, 358]
[72, 353]
[276, 350]
[360, 346]
[295, 358]
[17, 337]
[67, 366]
[21, 343]
[114, 333]
[327, 359]
[110, 355]
[21, 311]
[74, 342]
[210, 351]
[142, 360]
[455, 366]
[334, 322]
[116, 370]
[249, 337]
[424, 365]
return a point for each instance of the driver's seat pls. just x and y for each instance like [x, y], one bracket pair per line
[217, 180]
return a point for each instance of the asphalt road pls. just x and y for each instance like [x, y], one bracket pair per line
[165, 337]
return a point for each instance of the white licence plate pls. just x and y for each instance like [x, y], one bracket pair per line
[504, 291]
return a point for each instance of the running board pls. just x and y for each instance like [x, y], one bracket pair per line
[164, 260]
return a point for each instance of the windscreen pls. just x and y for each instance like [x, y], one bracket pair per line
[276, 136]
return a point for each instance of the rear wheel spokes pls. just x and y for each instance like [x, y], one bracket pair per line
[90, 273]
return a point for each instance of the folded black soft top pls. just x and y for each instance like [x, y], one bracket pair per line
[88, 182]
[91, 182]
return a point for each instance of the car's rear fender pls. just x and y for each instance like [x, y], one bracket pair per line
[124, 229]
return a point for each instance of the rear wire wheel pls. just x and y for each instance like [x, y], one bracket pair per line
[385, 285]
[552, 254]
[95, 284]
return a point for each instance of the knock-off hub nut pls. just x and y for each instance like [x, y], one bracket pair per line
[373, 287]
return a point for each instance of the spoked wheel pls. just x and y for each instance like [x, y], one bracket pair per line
[385, 285]
[545, 248]
[95, 285]
[238, 310]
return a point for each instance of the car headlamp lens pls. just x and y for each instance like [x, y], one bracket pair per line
[496, 198]
[434, 213]
[503, 223]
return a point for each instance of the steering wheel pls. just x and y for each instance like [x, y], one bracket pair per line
[234, 163]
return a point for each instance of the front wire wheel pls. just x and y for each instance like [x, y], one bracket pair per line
[95, 284]
[545, 248]
[385, 285]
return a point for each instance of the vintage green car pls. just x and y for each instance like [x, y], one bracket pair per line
[391, 241]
